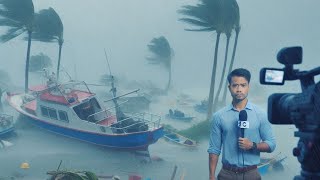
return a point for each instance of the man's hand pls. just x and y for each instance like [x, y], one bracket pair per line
[245, 144]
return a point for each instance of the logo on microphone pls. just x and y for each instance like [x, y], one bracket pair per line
[243, 124]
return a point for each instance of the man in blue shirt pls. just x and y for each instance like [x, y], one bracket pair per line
[240, 156]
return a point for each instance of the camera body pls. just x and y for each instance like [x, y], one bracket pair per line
[301, 109]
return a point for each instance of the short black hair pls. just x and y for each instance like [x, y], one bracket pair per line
[240, 72]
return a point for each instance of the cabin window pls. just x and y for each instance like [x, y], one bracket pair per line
[44, 111]
[63, 116]
[52, 113]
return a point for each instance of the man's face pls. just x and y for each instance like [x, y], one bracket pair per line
[239, 88]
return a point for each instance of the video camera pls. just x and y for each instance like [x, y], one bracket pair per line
[301, 109]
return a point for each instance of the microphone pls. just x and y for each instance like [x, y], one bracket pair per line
[243, 123]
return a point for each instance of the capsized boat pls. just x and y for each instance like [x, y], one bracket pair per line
[176, 138]
[71, 109]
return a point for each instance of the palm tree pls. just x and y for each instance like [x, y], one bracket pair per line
[162, 55]
[18, 16]
[48, 27]
[208, 16]
[237, 30]
[231, 18]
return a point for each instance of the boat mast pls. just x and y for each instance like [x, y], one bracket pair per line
[120, 115]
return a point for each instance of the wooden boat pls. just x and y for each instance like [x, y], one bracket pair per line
[179, 139]
[72, 110]
[202, 107]
[6, 125]
[268, 164]
[178, 115]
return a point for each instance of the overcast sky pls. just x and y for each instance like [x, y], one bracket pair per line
[125, 28]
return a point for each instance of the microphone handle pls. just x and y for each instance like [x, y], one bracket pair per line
[242, 132]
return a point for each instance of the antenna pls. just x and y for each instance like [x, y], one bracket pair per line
[105, 54]
[119, 113]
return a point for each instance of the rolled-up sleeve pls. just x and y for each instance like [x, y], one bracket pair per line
[215, 135]
[266, 132]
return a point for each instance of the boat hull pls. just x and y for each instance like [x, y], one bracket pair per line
[6, 132]
[139, 140]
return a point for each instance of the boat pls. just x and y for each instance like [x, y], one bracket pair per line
[273, 163]
[176, 138]
[5, 144]
[6, 125]
[72, 110]
[178, 115]
[202, 107]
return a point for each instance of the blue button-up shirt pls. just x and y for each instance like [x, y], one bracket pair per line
[224, 134]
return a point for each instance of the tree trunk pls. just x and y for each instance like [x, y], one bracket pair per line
[26, 87]
[213, 77]
[224, 96]
[222, 79]
[169, 81]
[58, 66]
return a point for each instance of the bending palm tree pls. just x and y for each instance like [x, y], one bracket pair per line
[231, 19]
[18, 16]
[162, 55]
[49, 28]
[237, 30]
[208, 16]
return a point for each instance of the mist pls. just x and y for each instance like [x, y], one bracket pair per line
[125, 28]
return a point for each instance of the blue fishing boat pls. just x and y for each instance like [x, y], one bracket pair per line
[176, 138]
[72, 110]
[268, 164]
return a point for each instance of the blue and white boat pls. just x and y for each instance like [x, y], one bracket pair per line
[72, 110]
[269, 164]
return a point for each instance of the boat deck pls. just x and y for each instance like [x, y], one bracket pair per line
[109, 121]
[31, 107]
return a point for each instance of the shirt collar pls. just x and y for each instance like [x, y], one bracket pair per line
[248, 106]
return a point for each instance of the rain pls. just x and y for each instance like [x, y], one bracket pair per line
[102, 38]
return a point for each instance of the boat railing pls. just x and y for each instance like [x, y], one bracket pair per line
[107, 112]
[124, 129]
[152, 120]
[99, 116]
[137, 121]
[149, 117]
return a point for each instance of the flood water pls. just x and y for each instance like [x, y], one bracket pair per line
[44, 151]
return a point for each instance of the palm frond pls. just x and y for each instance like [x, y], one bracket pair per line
[160, 47]
[11, 34]
[212, 15]
[161, 50]
[195, 22]
[20, 11]
[201, 29]
[199, 12]
[9, 22]
[48, 26]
